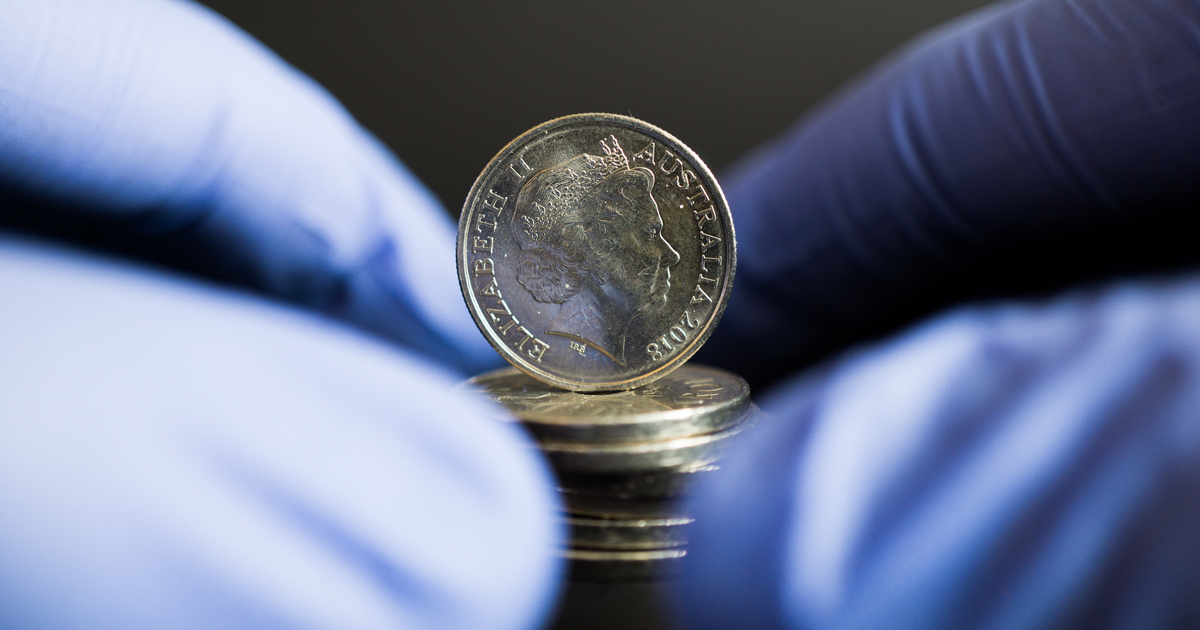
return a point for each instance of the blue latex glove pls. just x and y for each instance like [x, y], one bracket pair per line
[1003, 467]
[179, 456]
[175, 454]
[1034, 465]
[1027, 148]
[160, 130]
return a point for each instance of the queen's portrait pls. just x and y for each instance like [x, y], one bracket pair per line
[591, 240]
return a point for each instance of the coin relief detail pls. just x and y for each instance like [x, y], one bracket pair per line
[596, 252]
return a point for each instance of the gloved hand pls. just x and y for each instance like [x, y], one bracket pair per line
[164, 132]
[1030, 147]
[1017, 465]
[175, 454]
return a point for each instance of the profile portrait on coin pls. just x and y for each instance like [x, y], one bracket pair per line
[591, 240]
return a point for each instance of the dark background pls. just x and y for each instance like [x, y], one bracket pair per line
[446, 85]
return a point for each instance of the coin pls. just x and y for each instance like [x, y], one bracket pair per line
[692, 400]
[573, 457]
[596, 252]
[629, 535]
[665, 484]
[589, 565]
[594, 505]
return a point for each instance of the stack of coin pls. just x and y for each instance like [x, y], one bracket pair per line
[625, 459]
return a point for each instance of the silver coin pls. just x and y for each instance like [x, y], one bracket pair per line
[666, 484]
[636, 457]
[596, 252]
[591, 505]
[692, 400]
[629, 535]
[590, 565]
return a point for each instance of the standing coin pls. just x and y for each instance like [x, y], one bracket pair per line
[596, 252]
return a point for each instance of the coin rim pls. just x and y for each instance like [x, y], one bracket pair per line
[627, 534]
[663, 484]
[648, 426]
[717, 195]
[605, 506]
[587, 565]
[641, 457]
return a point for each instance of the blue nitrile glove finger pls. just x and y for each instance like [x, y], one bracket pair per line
[1021, 466]
[1025, 148]
[156, 128]
[174, 455]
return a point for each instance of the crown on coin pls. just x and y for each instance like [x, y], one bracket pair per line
[581, 177]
